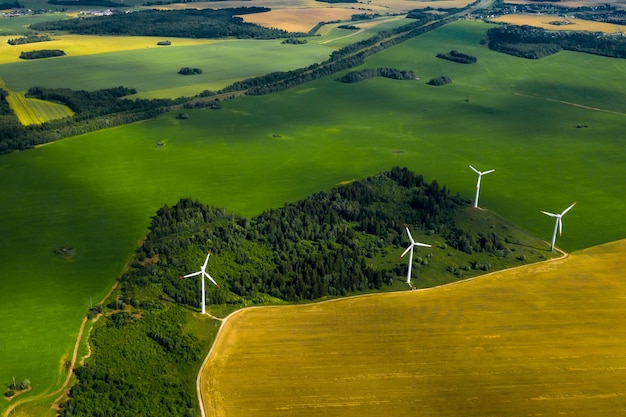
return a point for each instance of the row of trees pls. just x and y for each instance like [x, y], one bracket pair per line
[393, 73]
[41, 53]
[459, 57]
[189, 23]
[532, 42]
[29, 39]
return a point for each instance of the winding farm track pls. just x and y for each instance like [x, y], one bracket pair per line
[207, 400]
[61, 392]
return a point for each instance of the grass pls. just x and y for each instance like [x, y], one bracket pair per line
[96, 192]
[516, 343]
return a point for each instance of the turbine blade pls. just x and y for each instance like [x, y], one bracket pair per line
[550, 214]
[560, 226]
[192, 275]
[211, 278]
[426, 245]
[206, 261]
[475, 170]
[568, 209]
[407, 249]
[409, 233]
[488, 172]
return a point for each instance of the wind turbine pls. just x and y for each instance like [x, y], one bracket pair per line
[558, 224]
[410, 249]
[480, 175]
[202, 272]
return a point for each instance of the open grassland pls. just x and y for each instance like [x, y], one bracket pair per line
[546, 339]
[547, 22]
[19, 25]
[79, 45]
[96, 192]
[33, 111]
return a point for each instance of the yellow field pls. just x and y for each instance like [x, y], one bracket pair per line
[75, 45]
[546, 339]
[545, 22]
[571, 3]
[31, 111]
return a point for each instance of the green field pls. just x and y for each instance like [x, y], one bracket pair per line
[96, 192]
[521, 342]
[156, 69]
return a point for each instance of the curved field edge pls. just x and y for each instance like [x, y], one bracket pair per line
[545, 338]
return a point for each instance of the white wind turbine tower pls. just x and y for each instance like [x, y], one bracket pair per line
[410, 249]
[202, 272]
[480, 175]
[558, 223]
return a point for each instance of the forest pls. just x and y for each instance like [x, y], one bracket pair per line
[334, 243]
[534, 43]
[188, 23]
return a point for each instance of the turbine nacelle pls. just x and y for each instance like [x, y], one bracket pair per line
[558, 225]
[202, 272]
[410, 249]
[480, 175]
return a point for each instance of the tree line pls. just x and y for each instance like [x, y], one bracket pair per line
[534, 43]
[393, 73]
[456, 56]
[29, 39]
[188, 23]
[41, 53]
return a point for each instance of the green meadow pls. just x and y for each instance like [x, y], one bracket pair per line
[96, 192]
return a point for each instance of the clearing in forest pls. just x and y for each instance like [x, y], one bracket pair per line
[546, 338]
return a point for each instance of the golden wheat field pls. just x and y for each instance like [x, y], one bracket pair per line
[298, 20]
[572, 3]
[548, 22]
[75, 45]
[547, 339]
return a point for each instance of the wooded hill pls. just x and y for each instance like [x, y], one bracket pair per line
[344, 241]
[188, 23]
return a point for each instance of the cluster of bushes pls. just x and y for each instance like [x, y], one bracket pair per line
[294, 41]
[29, 39]
[189, 71]
[534, 43]
[396, 74]
[459, 57]
[443, 80]
[42, 53]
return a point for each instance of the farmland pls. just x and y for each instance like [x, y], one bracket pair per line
[33, 111]
[546, 339]
[97, 192]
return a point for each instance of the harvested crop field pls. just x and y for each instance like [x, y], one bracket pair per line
[553, 22]
[540, 340]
